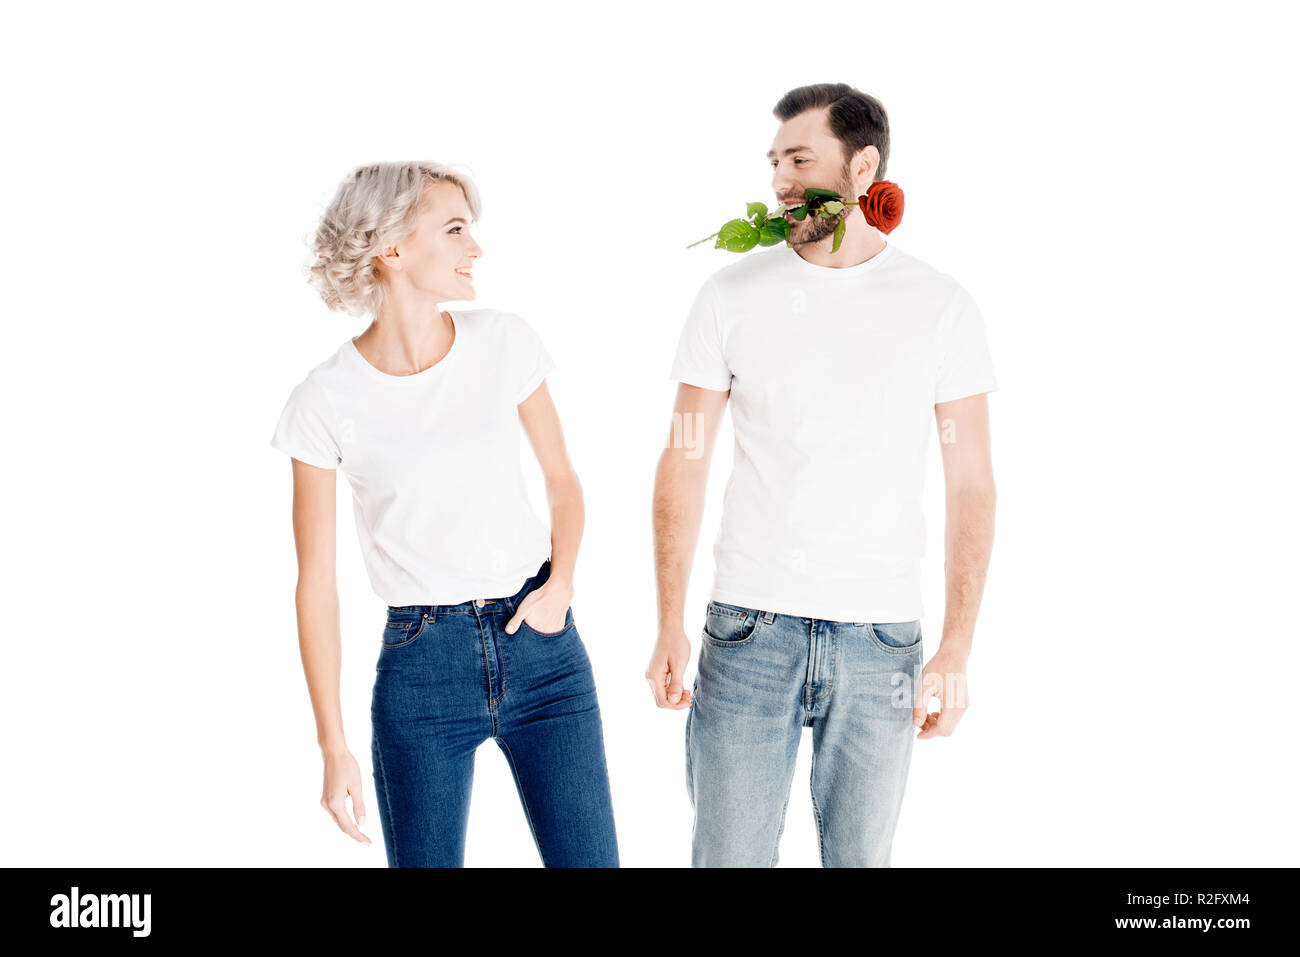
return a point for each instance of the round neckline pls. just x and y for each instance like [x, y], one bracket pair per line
[424, 374]
[840, 272]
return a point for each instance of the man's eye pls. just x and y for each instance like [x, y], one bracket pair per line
[454, 229]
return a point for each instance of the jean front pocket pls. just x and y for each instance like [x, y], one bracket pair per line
[403, 627]
[730, 625]
[568, 625]
[897, 637]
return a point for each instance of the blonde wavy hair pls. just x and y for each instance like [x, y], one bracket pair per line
[375, 205]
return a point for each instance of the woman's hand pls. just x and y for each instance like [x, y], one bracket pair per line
[343, 777]
[544, 608]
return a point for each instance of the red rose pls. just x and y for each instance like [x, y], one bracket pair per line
[883, 205]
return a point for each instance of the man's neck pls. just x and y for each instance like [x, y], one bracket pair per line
[861, 242]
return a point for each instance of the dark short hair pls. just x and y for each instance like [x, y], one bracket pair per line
[856, 118]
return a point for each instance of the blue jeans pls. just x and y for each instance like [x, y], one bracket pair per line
[763, 678]
[448, 678]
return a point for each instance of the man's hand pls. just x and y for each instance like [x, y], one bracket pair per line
[944, 677]
[667, 667]
[545, 608]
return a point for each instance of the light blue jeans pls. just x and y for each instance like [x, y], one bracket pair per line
[763, 678]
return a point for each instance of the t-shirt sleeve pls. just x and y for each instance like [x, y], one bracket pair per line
[306, 428]
[965, 367]
[699, 360]
[530, 363]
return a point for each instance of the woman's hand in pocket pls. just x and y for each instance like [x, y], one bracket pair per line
[544, 608]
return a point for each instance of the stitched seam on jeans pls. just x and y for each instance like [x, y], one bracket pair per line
[832, 654]
[780, 829]
[817, 811]
[690, 787]
[487, 678]
[524, 800]
[501, 659]
[388, 800]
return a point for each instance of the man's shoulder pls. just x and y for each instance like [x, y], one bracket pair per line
[913, 269]
[764, 263]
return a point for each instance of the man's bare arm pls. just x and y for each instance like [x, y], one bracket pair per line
[970, 499]
[680, 483]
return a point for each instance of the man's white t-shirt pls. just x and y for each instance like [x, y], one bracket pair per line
[438, 490]
[834, 374]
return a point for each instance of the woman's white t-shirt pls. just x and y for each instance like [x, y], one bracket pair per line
[441, 509]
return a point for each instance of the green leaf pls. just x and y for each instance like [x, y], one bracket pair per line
[833, 206]
[773, 231]
[810, 192]
[757, 212]
[839, 235]
[737, 236]
[799, 213]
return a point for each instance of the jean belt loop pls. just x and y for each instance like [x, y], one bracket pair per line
[768, 616]
[431, 613]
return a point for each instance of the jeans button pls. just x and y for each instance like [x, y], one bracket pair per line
[479, 602]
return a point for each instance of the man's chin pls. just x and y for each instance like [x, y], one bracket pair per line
[798, 239]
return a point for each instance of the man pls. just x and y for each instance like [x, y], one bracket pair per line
[835, 363]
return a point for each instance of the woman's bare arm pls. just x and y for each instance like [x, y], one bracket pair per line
[545, 608]
[319, 641]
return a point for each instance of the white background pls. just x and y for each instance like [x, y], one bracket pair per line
[1115, 184]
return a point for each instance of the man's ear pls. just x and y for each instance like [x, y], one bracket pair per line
[865, 163]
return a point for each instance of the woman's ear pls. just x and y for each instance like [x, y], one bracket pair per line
[390, 259]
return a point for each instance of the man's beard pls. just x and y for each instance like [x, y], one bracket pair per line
[814, 227]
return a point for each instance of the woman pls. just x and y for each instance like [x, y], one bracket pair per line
[421, 411]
